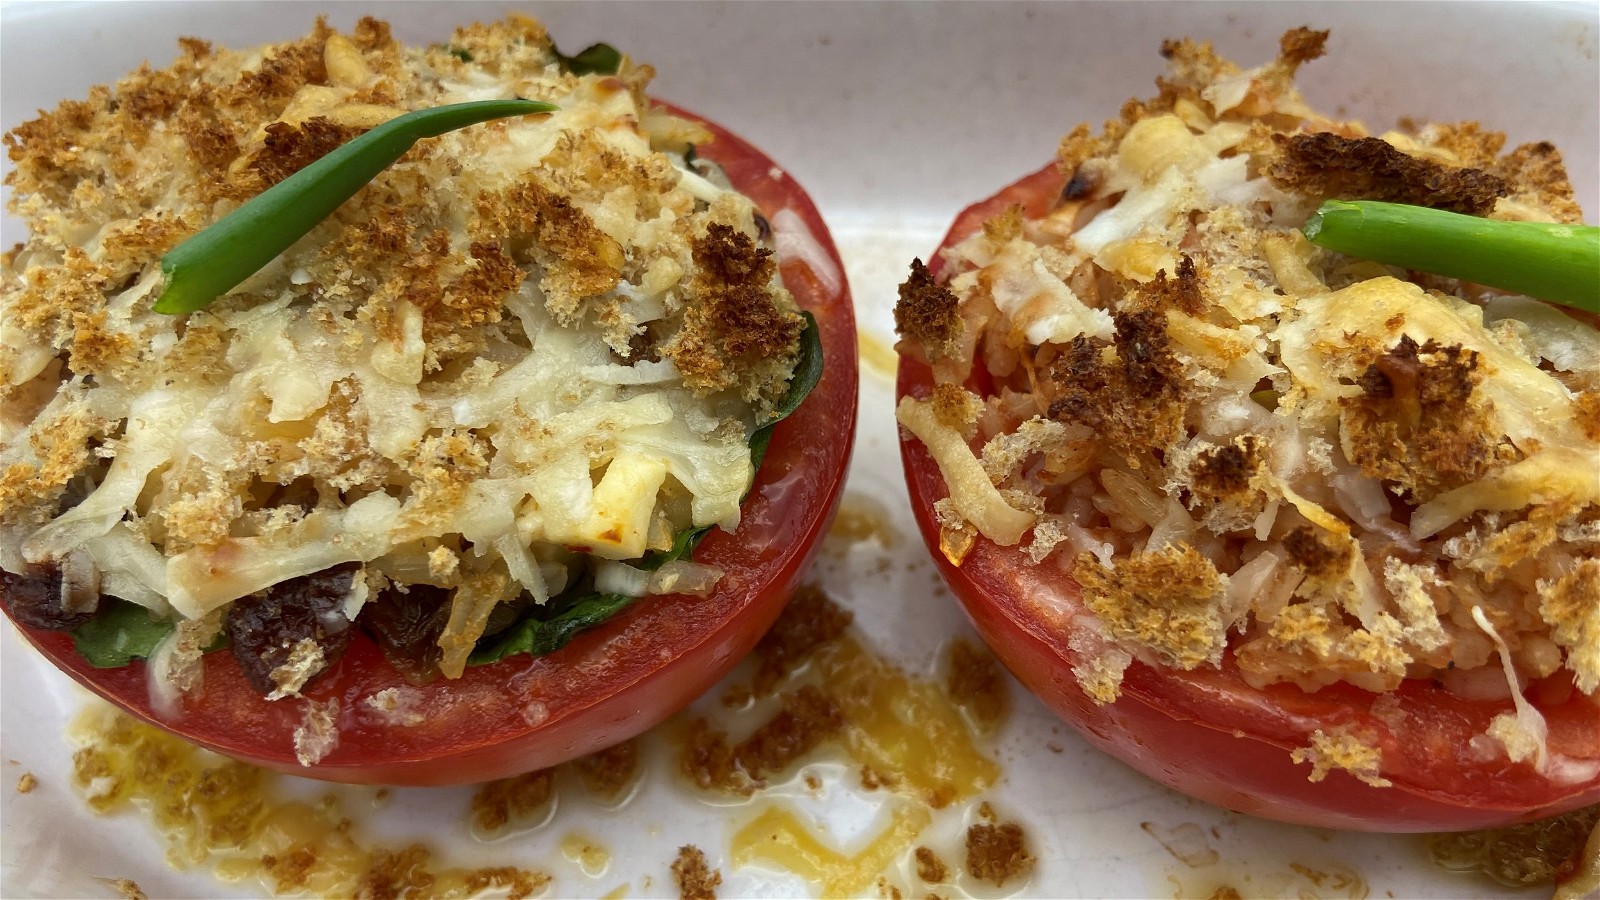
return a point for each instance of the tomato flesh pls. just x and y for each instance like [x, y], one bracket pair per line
[614, 681]
[1210, 734]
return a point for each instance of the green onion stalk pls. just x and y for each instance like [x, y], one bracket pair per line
[218, 259]
[1553, 262]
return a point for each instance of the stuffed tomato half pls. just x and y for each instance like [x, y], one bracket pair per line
[504, 461]
[1295, 533]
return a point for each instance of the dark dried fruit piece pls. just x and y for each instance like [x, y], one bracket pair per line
[266, 627]
[34, 599]
[407, 625]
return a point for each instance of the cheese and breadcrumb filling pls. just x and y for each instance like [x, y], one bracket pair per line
[530, 347]
[1240, 444]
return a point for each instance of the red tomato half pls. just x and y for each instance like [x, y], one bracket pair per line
[1211, 735]
[611, 682]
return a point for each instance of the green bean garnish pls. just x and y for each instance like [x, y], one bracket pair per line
[216, 260]
[1558, 263]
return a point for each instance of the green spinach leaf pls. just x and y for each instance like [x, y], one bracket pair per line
[119, 634]
[549, 628]
[595, 59]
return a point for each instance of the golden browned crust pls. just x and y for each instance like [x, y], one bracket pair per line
[289, 148]
[1588, 414]
[997, 852]
[1327, 165]
[1227, 471]
[810, 621]
[926, 314]
[1417, 422]
[1540, 179]
[733, 336]
[696, 879]
[1165, 600]
[1316, 557]
[1298, 46]
[973, 679]
[930, 868]
[1136, 402]
[606, 772]
[497, 804]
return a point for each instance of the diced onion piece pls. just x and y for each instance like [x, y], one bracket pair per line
[611, 577]
[682, 576]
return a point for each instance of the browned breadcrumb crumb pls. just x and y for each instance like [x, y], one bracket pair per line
[288, 148]
[696, 880]
[974, 681]
[498, 804]
[1417, 423]
[606, 772]
[806, 718]
[1342, 747]
[1520, 856]
[1226, 471]
[930, 868]
[1587, 413]
[27, 783]
[1571, 607]
[581, 260]
[997, 853]
[926, 315]
[1314, 556]
[1327, 165]
[810, 621]
[1539, 178]
[887, 890]
[1301, 45]
[1165, 600]
[736, 334]
[872, 779]
[1135, 403]
[1182, 293]
[956, 407]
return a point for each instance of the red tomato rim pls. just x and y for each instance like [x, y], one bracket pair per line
[611, 682]
[1166, 719]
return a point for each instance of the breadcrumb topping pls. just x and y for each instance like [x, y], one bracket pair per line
[1266, 454]
[525, 345]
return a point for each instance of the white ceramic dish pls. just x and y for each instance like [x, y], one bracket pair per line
[894, 116]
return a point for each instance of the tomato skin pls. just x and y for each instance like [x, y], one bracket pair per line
[612, 682]
[1209, 734]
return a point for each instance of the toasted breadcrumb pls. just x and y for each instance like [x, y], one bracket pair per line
[930, 868]
[510, 801]
[318, 732]
[998, 852]
[926, 314]
[1328, 165]
[1164, 599]
[975, 682]
[26, 783]
[811, 620]
[607, 772]
[1341, 748]
[696, 880]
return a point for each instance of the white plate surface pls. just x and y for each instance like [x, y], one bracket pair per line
[894, 116]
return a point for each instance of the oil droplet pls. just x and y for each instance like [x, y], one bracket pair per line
[589, 856]
[778, 838]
